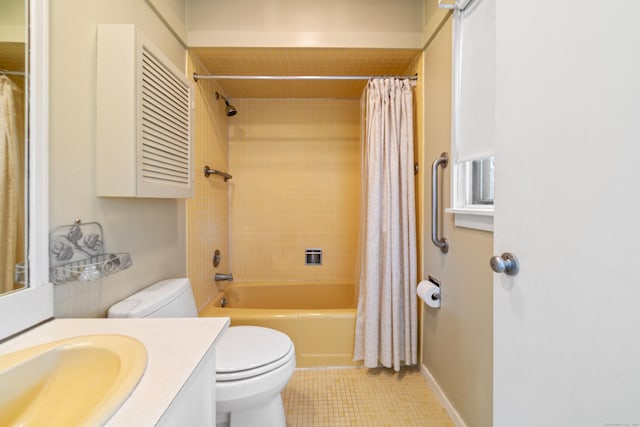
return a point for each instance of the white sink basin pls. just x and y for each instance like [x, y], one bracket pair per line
[72, 382]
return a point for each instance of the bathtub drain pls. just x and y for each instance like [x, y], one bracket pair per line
[223, 302]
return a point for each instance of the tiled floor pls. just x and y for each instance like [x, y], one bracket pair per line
[361, 397]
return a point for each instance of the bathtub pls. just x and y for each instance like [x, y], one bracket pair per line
[319, 318]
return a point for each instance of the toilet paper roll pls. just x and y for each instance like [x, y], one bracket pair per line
[429, 293]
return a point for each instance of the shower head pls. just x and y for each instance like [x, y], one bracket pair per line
[230, 110]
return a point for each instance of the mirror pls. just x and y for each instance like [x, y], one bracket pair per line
[13, 153]
[33, 303]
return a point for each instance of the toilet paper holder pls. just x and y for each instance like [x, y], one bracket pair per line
[436, 282]
[429, 292]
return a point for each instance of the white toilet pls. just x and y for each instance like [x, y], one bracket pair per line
[253, 364]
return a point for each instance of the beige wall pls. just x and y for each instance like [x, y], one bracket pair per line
[152, 231]
[296, 185]
[305, 15]
[310, 23]
[418, 154]
[457, 339]
[417, 68]
[12, 21]
[208, 211]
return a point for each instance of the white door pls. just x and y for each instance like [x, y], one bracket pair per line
[567, 326]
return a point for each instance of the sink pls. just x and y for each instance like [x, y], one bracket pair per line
[73, 382]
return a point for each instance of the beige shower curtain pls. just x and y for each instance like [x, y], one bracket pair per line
[386, 320]
[11, 182]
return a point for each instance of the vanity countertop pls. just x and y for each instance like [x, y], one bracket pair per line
[174, 347]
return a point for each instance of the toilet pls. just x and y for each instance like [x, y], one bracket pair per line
[253, 364]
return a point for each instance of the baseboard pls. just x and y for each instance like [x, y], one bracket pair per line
[442, 398]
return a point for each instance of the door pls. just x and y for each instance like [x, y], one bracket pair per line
[567, 326]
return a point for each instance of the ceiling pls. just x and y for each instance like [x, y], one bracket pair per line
[301, 62]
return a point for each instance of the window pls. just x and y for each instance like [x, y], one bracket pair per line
[482, 171]
[473, 114]
[475, 183]
[473, 192]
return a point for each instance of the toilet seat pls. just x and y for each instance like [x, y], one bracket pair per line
[248, 351]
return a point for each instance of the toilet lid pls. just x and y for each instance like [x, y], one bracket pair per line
[243, 350]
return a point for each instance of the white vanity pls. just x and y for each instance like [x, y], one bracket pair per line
[178, 385]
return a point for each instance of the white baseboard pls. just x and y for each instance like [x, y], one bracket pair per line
[442, 398]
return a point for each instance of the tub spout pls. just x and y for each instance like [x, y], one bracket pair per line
[221, 277]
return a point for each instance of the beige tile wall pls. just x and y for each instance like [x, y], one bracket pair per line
[296, 185]
[208, 211]
[302, 62]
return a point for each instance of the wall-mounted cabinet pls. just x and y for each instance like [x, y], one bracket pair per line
[144, 120]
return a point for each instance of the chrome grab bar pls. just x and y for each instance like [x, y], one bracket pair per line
[208, 171]
[442, 243]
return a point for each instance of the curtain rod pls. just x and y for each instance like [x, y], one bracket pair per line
[12, 73]
[197, 77]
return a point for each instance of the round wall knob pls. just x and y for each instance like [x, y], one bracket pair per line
[506, 263]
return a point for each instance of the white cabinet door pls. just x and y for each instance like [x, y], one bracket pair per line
[195, 403]
[567, 326]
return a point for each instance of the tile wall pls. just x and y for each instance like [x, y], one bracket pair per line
[296, 185]
[208, 211]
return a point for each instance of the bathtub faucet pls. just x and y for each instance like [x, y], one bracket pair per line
[222, 278]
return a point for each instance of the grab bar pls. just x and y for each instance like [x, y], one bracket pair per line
[442, 243]
[208, 171]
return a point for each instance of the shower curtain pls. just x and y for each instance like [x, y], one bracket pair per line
[386, 320]
[11, 182]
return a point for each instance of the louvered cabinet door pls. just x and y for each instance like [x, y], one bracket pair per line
[144, 128]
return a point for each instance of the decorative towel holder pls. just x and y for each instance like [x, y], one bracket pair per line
[76, 252]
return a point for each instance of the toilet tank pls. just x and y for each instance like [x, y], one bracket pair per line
[168, 298]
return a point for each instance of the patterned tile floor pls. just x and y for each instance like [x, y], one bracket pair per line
[361, 397]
